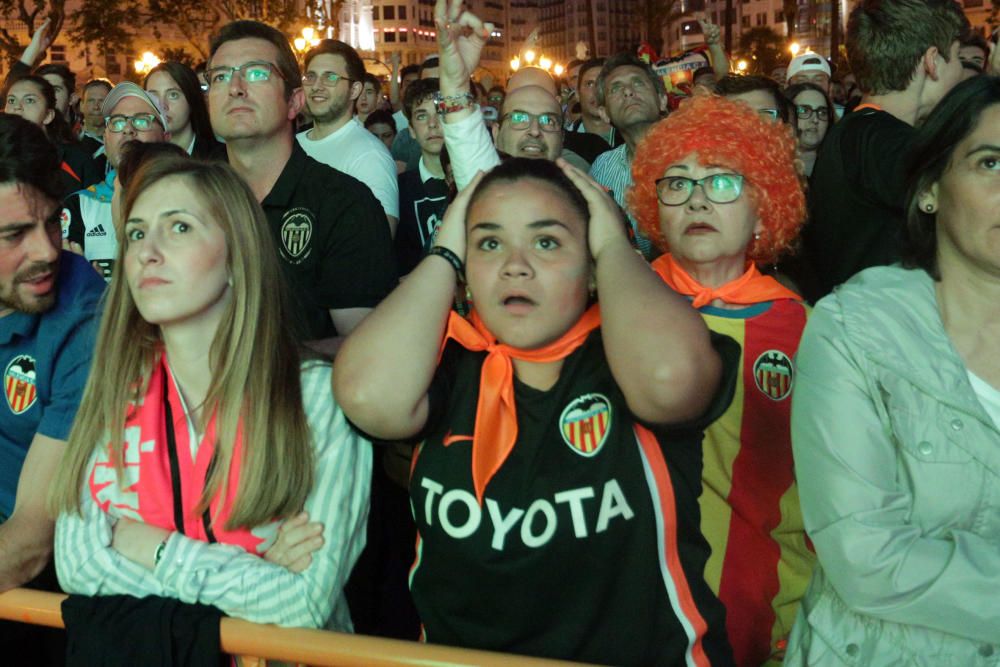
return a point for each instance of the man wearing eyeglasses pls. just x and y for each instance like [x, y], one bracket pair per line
[330, 231]
[630, 97]
[332, 82]
[130, 114]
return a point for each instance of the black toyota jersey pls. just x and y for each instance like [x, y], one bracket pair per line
[587, 545]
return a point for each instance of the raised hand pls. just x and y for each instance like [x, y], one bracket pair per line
[711, 31]
[461, 38]
[41, 40]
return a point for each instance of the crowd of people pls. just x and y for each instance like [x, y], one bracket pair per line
[565, 368]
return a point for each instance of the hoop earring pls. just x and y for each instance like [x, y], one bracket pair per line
[929, 208]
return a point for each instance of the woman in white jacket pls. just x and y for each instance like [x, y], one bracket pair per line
[896, 422]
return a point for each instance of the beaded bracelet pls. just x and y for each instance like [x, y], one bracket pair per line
[446, 104]
[451, 257]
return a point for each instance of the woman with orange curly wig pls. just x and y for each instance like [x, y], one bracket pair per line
[716, 189]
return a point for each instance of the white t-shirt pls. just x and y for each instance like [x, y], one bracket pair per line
[357, 152]
[988, 395]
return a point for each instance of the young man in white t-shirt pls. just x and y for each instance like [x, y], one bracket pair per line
[332, 82]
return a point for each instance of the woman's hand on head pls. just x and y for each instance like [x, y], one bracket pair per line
[451, 234]
[606, 226]
[298, 539]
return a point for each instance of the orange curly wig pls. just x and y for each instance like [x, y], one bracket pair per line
[732, 135]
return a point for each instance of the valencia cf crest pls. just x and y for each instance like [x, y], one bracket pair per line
[774, 374]
[585, 423]
[19, 383]
[296, 232]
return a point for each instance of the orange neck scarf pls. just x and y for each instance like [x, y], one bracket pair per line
[496, 414]
[752, 287]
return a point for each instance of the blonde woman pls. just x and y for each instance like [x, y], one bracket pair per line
[202, 430]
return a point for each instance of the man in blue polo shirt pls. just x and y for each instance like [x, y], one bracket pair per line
[48, 301]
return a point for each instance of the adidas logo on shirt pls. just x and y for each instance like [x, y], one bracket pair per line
[97, 231]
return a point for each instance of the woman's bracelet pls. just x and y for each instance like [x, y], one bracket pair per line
[451, 257]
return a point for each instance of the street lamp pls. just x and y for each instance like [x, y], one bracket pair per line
[794, 47]
[515, 64]
[529, 56]
[741, 66]
[308, 39]
[146, 62]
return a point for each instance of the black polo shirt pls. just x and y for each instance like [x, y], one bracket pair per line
[333, 240]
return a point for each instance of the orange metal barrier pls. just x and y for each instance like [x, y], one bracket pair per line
[311, 647]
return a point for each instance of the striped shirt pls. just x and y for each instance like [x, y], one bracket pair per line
[613, 170]
[240, 583]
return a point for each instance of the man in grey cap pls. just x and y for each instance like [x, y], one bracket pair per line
[130, 114]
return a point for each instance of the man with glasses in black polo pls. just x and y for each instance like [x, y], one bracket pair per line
[331, 232]
[130, 114]
[332, 82]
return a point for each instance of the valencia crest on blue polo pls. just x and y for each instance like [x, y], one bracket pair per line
[587, 543]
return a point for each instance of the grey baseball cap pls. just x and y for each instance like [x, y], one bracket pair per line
[129, 89]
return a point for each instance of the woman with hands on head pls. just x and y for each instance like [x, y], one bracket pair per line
[716, 190]
[555, 487]
[208, 432]
[896, 420]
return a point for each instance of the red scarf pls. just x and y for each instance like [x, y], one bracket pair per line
[496, 413]
[752, 287]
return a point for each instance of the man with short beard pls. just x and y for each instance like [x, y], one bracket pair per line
[333, 80]
[48, 301]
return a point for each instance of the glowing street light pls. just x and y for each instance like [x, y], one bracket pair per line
[741, 66]
[559, 69]
[545, 63]
[308, 39]
[515, 64]
[529, 56]
[794, 47]
[146, 62]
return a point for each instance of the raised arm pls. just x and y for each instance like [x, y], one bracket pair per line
[394, 351]
[40, 42]
[713, 39]
[657, 345]
[461, 38]
[858, 510]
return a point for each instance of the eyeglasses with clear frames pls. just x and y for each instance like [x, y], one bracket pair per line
[255, 71]
[718, 188]
[805, 112]
[521, 120]
[141, 122]
[325, 78]
[769, 114]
